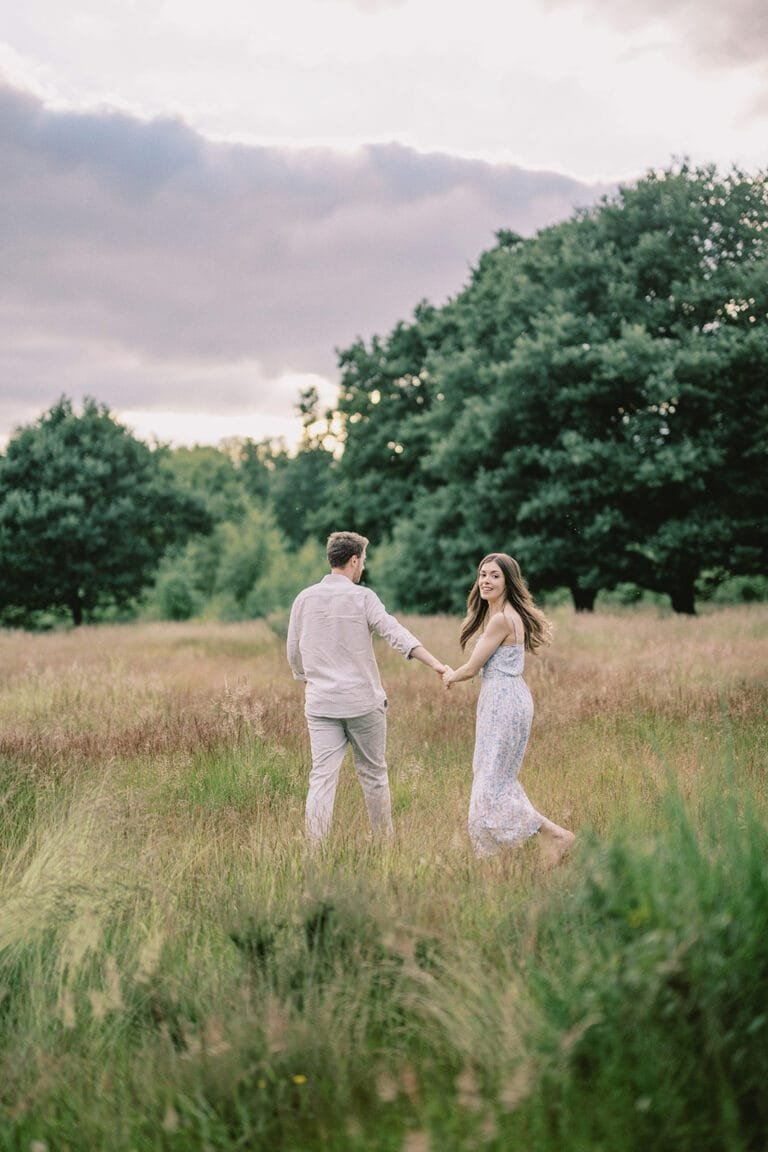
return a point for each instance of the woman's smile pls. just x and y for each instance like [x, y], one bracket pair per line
[490, 582]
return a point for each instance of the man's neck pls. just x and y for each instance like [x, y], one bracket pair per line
[345, 572]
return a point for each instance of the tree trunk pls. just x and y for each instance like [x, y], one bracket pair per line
[76, 608]
[583, 598]
[683, 598]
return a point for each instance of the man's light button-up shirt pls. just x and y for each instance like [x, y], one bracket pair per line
[330, 646]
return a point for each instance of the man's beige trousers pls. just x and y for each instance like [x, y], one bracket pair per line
[329, 739]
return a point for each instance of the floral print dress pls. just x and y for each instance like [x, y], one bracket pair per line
[500, 813]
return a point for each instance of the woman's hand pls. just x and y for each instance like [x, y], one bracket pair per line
[447, 676]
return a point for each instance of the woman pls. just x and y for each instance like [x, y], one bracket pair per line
[500, 604]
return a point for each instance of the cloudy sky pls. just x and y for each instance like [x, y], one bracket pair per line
[201, 202]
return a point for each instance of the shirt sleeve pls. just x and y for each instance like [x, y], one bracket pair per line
[390, 629]
[293, 650]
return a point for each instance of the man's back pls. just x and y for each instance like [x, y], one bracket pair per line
[329, 646]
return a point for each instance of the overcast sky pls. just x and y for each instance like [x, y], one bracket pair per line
[200, 203]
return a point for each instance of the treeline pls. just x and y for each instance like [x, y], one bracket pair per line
[594, 401]
[97, 525]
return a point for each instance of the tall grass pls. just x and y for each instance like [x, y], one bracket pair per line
[176, 972]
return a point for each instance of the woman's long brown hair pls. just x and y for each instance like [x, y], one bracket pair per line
[538, 629]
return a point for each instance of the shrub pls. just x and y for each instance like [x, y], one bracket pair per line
[651, 987]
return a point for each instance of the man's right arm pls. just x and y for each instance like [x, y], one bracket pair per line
[293, 649]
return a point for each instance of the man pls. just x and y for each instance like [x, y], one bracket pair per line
[330, 648]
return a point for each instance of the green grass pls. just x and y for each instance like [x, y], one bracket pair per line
[176, 972]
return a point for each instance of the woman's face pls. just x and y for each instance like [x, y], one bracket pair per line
[490, 582]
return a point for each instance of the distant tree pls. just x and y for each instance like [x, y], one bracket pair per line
[254, 460]
[251, 570]
[212, 474]
[301, 482]
[385, 391]
[86, 513]
[187, 577]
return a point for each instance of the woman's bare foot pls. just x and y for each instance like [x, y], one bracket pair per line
[556, 842]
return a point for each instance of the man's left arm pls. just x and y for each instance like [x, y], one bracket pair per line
[425, 656]
[293, 649]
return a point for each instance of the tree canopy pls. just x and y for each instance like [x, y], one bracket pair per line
[593, 401]
[86, 513]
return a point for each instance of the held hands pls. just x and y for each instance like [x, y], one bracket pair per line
[445, 672]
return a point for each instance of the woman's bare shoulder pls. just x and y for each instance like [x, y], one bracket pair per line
[498, 626]
[514, 624]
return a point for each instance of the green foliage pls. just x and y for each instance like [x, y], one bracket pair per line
[267, 506]
[213, 475]
[622, 1008]
[593, 402]
[653, 1024]
[258, 571]
[86, 513]
[176, 595]
[244, 557]
[736, 590]
[299, 492]
[244, 569]
[385, 390]
[427, 560]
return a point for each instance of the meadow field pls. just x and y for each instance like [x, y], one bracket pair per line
[177, 972]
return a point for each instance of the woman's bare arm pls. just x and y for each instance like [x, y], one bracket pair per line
[497, 631]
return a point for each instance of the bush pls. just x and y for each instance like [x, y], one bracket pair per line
[653, 1030]
[175, 596]
[245, 570]
[741, 590]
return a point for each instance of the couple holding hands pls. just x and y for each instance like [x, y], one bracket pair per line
[330, 649]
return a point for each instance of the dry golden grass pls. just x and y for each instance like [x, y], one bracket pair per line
[188, 741]
[97, 693]
[165, 693]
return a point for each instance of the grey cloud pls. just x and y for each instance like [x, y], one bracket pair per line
[149, 266]
[727, 34]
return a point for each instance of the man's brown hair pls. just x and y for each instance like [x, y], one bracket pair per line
[342, 546]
